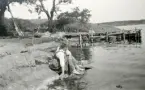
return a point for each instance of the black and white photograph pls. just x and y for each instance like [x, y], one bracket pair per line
[72, 45]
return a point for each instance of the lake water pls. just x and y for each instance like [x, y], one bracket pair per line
[115, 67]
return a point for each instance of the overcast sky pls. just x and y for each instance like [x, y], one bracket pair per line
[101, 10]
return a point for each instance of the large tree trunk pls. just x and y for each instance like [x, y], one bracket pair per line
[49, 16]
[1, 17]
[50, 25]
[3, 31]
[52, 30]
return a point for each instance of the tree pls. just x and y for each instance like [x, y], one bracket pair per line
[54, 9]
[24, 25]
[77, 19]
[62, 20]
[76, 15]
[4, 4]
[85, 16]
[20, 33]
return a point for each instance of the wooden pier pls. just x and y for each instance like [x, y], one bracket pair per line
[130, 36]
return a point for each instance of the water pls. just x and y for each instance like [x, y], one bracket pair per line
[118, 67]
[75, 82]
[115, 67]
[81, 54]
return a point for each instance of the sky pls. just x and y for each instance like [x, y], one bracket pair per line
[101, 10]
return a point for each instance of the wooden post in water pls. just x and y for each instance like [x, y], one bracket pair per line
[80, 40]
[123, 36]
[136, 36]
[139, 36]
[107, 37]
[129, 37]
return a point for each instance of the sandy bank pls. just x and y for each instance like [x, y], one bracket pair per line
[18, 68]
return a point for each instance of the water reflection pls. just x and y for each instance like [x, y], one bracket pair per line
[111, 62]
[81, 54]
[75, 82]
[70, 83]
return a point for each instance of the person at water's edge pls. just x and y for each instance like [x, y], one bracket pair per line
[67, 63]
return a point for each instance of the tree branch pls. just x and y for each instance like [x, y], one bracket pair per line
[53, 9]
[46, 12]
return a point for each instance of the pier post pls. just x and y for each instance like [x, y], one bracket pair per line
[123, 36]
[107, 37]
[136, 36]
[129, 39]
[139, 36]
[80, 40]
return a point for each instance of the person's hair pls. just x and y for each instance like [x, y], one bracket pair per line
[63, 45]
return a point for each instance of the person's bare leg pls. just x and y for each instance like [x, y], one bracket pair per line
[72, 64]
[75, 63]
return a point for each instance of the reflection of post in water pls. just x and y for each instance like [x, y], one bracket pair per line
[134, 36]
[139, 36]
[86, 53]
[80, 53]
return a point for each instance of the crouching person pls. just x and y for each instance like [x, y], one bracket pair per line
[67, 61]
[64, 63]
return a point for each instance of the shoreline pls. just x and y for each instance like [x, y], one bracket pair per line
[18, 68]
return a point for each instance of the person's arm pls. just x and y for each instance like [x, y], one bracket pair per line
[68, 53]
[61, 56]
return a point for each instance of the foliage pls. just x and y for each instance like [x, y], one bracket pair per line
[71, 21]
[61, 22]
[76, 15]
[50, 13]
[77, 27]
[24, 25]
[64, 19]
[3, 31]
[3, 6]
[74, 21]
[22, 1]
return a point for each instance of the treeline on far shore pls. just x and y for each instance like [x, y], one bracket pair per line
[24, 25]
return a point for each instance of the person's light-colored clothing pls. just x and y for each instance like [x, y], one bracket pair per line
[61, 55]
[66, 56]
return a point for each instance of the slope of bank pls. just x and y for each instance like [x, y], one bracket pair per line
[18, 67]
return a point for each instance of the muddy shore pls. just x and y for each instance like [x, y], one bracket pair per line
[19, 67]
